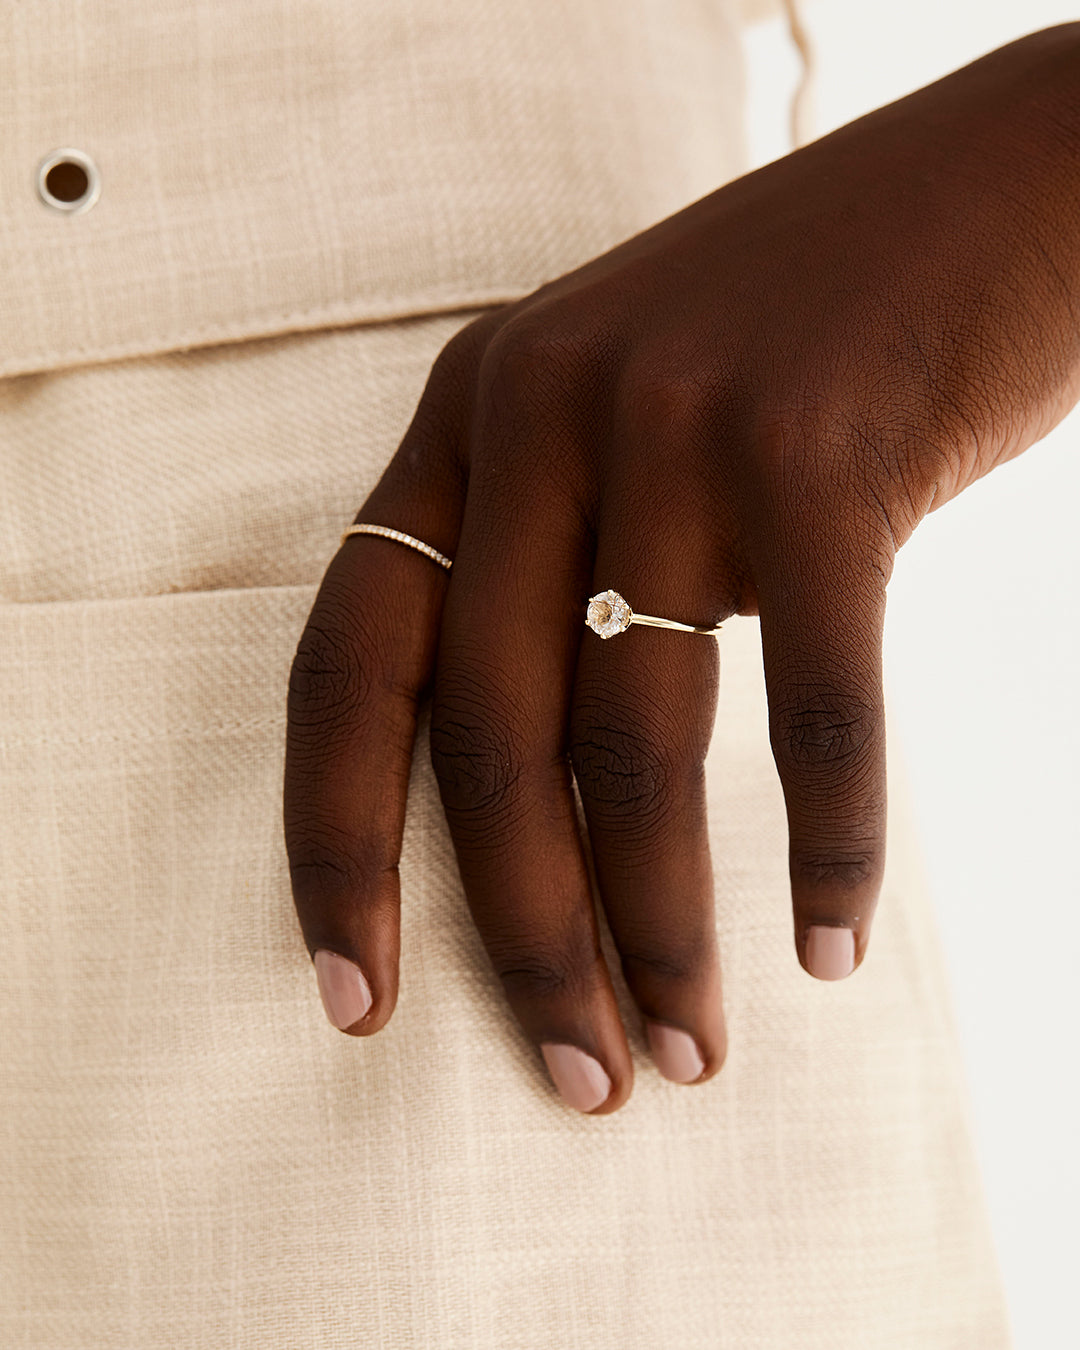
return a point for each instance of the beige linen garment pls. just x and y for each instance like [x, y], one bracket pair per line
[203, 376]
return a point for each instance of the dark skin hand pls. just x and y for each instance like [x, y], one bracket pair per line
[746, 409]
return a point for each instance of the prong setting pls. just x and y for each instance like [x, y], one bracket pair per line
[608, 614]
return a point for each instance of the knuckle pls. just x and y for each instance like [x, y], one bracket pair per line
[445, 406]
[784, 428]
[530, 976]
[538, 969]
[473, 755]
[880, 455]
[330, 680]
[664, 961]
[324, 864]
[449, 377]
[848, 867]
[459, 355]
[453, 373]
[531, 358]
[813, 443]
[815, 727]
[660, 394]
[624, 772]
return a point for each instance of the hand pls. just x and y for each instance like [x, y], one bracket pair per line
[744, 410]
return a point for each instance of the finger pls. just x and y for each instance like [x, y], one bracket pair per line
[822, 619]
[510, 634]
[643, 713]
[364, 657]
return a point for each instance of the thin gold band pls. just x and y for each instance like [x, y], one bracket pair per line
[387, 533]
[670, 623]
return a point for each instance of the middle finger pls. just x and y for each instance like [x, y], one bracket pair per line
[508, 646]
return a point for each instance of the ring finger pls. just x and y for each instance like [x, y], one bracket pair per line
[643, 712]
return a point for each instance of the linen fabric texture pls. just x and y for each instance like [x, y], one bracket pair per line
[204, 376]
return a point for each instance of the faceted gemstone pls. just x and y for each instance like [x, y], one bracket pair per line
[608, 614]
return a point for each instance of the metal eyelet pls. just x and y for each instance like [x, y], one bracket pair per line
[68, 180]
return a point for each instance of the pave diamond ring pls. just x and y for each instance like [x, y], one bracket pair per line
[608, 614]
[402, 538]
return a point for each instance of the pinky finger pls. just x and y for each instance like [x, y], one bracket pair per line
[821, 643]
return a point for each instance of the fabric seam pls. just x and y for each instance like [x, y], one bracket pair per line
[255, 326]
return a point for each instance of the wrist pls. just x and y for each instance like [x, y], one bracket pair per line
[1026, 137]
[1049, 84]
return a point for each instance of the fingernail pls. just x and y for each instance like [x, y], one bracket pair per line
[581, 1081]
[344, 991]
[674, 1052]
[830, 952]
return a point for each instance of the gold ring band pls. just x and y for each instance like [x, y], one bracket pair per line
[402, 538]
[608, 614]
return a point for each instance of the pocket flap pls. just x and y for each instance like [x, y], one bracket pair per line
[272, 165]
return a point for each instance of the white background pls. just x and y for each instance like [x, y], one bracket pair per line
[983, 672]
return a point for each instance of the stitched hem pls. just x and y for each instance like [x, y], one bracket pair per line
[333, 315]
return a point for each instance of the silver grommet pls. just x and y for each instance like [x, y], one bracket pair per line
[68, 180]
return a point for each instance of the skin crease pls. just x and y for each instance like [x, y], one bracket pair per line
[746, 409]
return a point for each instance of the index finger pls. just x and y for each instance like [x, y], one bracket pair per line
[363, 660]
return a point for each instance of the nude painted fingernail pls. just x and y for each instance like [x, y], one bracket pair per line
[344, 991]
[830, 952]
[674, 1052]
[581, 1081]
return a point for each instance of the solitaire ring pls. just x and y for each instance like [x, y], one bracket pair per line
[608, 614]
